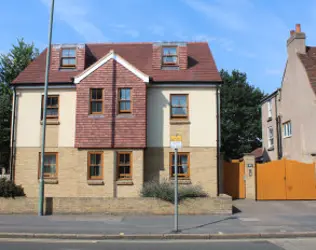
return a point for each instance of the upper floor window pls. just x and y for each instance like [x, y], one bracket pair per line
[287, 129]
[68, 58]
[270, 137]
[183, 164]
[179, 106]
[96, 101]
[169, 56]
[52, 107]
[270, 108]
[95, 165]
[50, 165]
[125, 100]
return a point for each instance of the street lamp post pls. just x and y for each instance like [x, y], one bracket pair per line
[41, 187]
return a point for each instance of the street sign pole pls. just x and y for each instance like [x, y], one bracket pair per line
[176, 143]
[176, 189]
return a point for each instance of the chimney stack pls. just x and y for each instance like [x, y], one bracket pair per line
[296, 42]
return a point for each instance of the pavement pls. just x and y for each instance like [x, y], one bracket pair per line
[279, 244]
[268, 219]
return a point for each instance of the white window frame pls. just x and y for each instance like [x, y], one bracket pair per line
[270, 108]
[270, 137]
[287, 129]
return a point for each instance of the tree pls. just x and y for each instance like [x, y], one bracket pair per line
[11, 65]
[240, 115]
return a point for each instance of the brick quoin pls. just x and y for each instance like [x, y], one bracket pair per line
[111, 129]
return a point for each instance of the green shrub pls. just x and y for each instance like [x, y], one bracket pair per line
[9, 189]
[165, 191]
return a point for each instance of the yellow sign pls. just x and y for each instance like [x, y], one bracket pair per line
[176, 138]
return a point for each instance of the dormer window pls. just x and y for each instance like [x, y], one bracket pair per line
[169, 56]
[68, 58]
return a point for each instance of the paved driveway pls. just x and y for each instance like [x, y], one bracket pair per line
[264, 208]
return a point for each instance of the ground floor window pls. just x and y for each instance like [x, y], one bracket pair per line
[50, 165]
[95, 165]
[124, 165]
[183, 164]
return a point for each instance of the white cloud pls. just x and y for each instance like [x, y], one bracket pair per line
[123, 28]
[223, 12]
[225, 44]
[74, 13]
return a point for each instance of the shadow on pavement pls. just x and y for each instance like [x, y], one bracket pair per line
[236, 210]
[211, 223]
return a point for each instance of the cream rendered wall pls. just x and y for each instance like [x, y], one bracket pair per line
[202, 116]
[29, 114]
[298, 104]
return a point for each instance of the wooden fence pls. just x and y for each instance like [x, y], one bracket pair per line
[285, 180]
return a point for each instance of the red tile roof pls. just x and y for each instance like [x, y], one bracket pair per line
[258, 152]
[201, 64]
[309, 62]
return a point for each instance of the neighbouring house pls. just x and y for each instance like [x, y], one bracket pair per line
[258, 155]
[112, 108]
[289, 114]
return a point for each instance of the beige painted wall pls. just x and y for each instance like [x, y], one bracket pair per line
[298, 104]
[28, 132]
[202, 116]
[72, 174]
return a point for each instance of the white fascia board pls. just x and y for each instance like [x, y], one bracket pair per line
[62, 86]
[105, 59]
[183, 85]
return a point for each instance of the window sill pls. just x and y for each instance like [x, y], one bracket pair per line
[51, 181]
[125, 115]
[182, 181]
[51, 122]
[124, 182]
[70, 68]
[289, 136]
[95, 182]
[179, 121]
[269, 119]
[96, 116]
[271, 148]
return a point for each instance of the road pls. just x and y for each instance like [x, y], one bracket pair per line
[279, 244]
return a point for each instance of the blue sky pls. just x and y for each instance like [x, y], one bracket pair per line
[248, 35]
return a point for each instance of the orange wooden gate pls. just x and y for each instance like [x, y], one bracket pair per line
[285, 180]
[234, 183]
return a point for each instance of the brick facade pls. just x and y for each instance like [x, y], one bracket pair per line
[72, 174]
[111, 129]
[182, 56]
[56, 57]
[203, 168]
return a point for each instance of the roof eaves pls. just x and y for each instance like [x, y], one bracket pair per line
[270, 96]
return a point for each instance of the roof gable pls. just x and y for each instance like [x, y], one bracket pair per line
[105, 59]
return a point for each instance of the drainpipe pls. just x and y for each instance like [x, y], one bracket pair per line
[12, 136]
[218, 146]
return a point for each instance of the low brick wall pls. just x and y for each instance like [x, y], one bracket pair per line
[89, 205]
